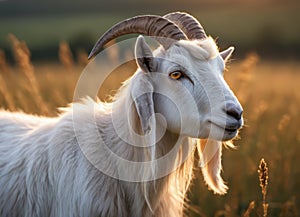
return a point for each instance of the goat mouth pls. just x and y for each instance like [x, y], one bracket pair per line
[228, 125]
[232, 128]
[226, 128]
[228, 131]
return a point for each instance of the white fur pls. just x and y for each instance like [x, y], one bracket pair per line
[44, 171]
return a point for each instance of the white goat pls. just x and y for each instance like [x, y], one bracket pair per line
[134, 156]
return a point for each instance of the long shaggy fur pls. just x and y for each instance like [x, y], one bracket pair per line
[43, 171]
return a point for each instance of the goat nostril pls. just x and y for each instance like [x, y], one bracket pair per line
[234, 111]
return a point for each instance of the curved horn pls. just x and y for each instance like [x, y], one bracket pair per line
[188, 24]
[149, 25]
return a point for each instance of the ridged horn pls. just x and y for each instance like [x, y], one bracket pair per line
[188, 24]
[149, 25]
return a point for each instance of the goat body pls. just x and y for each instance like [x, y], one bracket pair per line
[135, 156]
[43, 171]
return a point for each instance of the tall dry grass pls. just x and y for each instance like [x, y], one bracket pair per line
[7, 97]
[37, 89]
[4, 66]
[263, 180]
[65, 56]
[31, 85]
[271, 100]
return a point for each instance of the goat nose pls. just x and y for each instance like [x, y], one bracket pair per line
[234, 110]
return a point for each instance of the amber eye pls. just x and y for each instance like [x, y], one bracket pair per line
[176, 75]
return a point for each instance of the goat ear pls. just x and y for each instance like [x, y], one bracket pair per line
[142, 95]
[143, 55]
[210, 152]
[227, 53]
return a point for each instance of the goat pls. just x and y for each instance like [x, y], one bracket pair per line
[134, 156]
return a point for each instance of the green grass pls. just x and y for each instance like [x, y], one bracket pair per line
[241, 26]
[42, 31]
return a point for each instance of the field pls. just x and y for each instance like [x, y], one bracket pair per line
[268, 91]
[259, 27]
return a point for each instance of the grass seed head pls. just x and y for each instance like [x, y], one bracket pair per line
[263, 175]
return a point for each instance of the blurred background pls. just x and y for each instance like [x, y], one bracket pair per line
[44, 47]
[268, 27]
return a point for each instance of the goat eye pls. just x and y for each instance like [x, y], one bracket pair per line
[176, 75]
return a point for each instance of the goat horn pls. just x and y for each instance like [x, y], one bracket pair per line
[188, 24]
[149, 25]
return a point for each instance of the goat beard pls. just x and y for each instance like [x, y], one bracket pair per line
[210, 153]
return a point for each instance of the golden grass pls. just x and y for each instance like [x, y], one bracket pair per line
[263, 180]
[249, 209]
[6, 95]
[4, 67]
[268, 92]
[22, 57]
[65, 56]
